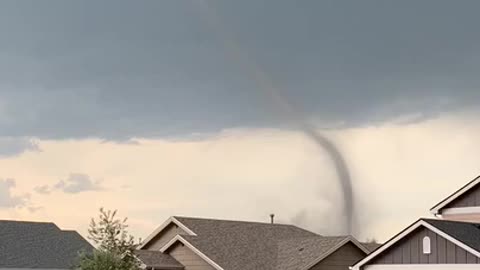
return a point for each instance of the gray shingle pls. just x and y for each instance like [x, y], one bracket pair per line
[39, 245]
[298, 253]
[238, 245]
[157, 259]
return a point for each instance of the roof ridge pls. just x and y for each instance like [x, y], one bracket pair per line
[450, 221]
[239, 221]
[452, 195]
[27, 221]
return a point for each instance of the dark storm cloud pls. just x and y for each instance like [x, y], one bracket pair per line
[10, 146]
[122, 69]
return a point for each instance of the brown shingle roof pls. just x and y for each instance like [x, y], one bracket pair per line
[298, 253]
[239, 245]
[157, 260]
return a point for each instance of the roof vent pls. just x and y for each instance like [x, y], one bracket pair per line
[272, 218]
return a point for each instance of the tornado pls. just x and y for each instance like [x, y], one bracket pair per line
[282, 105]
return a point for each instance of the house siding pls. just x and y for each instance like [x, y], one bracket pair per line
[410, 251]
[470, 199]
[188, 258]
[341, 259]
[164, 237]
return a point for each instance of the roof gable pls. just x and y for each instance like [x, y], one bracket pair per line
[157, 260]
[456, 195]
[462, 234]
[170, 221]
[304, 253]
[238, 245]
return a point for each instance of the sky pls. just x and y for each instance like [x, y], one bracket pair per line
[155, 108]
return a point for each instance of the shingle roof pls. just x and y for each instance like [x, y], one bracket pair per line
[298, 253]
[465, 232]
[38, 245]
[158, 260]
[469, 186]
[240, 245]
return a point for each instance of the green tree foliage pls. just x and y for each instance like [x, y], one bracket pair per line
[115, 246]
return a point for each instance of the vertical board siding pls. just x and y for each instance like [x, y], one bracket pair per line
[188, 258]
[410, 251]
[470, 199]
[164, 237]
[341, 259]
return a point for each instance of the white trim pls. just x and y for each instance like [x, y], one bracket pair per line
[179, 238]
[421, 266]
[407, 232]
[435, 210]
[335, 248]
[162, 227]
[461, 210]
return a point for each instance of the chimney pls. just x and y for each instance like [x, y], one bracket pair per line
[272, 217]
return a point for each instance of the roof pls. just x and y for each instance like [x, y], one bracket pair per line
[299, 253]
[39, 245]
[436, 209]
[157, 259]
[239, 245]
[463, 234]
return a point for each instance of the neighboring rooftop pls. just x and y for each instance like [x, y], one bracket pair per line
[239, 245]
[298, 253]
[39, 245]
[157, 260]
[455, 195]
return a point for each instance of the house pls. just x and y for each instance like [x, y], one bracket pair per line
[451, 241]
[38, 245]
[209, 244]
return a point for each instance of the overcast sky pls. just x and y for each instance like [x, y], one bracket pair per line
[142, 106]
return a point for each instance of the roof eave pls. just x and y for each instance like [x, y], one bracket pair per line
[435, 210]
[335, 248]
[407, 231]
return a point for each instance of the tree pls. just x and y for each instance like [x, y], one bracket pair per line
[115, 246]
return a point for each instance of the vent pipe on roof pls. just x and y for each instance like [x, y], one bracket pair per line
[272, 218]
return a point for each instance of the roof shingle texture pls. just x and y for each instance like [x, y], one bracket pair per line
[157, 259]
[238, 245]
[298, 253]
[39, 245]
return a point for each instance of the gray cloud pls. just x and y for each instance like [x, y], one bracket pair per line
[7, 199]
[10, 146]
[80, 69]
[77, 183]
[45, 189]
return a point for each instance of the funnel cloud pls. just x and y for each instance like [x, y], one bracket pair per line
[283, 106]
